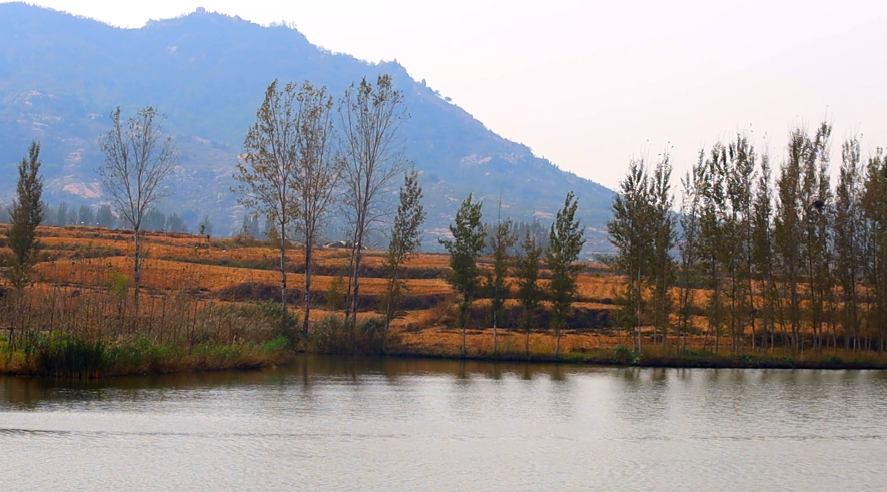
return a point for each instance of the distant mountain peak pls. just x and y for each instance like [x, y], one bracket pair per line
[208, 71]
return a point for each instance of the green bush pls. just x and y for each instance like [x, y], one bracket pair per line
[140, 356]
[277, 344]
[623, 355]
[58, 355]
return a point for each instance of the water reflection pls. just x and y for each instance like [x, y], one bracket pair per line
[384, 424]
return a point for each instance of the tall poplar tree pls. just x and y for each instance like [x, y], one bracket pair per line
[465, 247]
[26, 213]
[529, 292]
[406, 237]
[501, 241]
[269, 167]
[565, 242]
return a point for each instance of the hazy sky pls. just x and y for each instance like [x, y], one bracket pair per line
[589, 84]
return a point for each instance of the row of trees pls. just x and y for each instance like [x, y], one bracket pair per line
[790, 260]
[103, 216]
[300, 164]
[307, 157]
[471, 237]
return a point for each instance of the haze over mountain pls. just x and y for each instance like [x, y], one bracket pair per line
[60, 76]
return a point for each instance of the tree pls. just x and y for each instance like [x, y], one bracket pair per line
[874, 210]
[85, 215]
[688, 245]
[762, 253]
[816, 198]
[662, 228]
[174, 223]
[267, 172]
[138, 158]
[564, 245]
[848, 238]
[464, 249]
[629, 232]
[26, 213]
[105, 217]
[317, 173]
[371, 117]
[61, 214]
[528, 291]
[48, 214]
[154, 220]
[501, 241]
[250, 226]
[205, 227]
[405, 241]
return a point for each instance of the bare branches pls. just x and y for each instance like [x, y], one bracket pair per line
[372, 154]
[138, 157]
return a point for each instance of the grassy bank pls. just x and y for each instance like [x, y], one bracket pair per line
[66, 357]
[60, 356]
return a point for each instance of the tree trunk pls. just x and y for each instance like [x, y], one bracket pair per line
[527, 344]
[355, 278]
[495, 334]
[137, 272]
[283, 268]
[465, 307]
[309, 252]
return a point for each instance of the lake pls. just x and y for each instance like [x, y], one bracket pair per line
[388, 424]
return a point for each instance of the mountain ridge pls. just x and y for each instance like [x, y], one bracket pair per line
[207, 72]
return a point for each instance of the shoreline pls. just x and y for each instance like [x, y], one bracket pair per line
[600, 358]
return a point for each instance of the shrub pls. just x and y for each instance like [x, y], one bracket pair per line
[277, 344]
[332, 335]
[58, 355]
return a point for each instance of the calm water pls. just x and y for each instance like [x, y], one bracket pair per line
[342, 424]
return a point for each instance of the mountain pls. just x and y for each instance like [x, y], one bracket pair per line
[61, 75]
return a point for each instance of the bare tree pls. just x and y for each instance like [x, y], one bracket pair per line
[317, 173]
[371, 117]
[138, 158]
[269, 167]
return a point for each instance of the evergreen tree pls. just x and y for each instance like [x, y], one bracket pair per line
[26, 214]
[464, 249]
[501, 240]
[406, 237]
[564, 245]
[529, 292]
[629, 233]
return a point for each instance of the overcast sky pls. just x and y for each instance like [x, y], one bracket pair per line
[589, 84]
